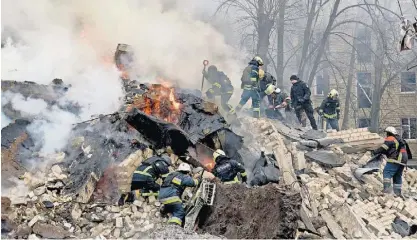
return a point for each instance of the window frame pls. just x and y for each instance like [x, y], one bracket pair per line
[367, 86]
[363, 44]
[316, 84]
[401, 83]
[366, 119]
[409, 127]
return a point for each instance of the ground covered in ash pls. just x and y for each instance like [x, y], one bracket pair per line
[240, 212]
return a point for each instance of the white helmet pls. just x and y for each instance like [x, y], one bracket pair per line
[184, 167]
[217, 153]
[277, 90]
[333, 93]
[391, 130]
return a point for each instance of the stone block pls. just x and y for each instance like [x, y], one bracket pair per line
[119, 222]
[352, 223]
[325, 190]
[376, 227]
[331, 223]
[400, 206]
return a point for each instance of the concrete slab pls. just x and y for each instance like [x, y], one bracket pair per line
[325, 158]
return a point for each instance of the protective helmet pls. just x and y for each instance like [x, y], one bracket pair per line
[391, 130]
[277, 90]
[184, 167]
[217, 153]
[270, 89]
[259, 60]
[333, 93]
[261, 73]
[166, 159]
[212, 68]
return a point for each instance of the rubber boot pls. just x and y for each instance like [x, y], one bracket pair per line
[387, 185]
[397, 190]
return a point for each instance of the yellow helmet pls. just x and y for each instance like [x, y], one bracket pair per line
[259, 60]
[261, 73]
[270, 89]
[333, 93]
[217, 153]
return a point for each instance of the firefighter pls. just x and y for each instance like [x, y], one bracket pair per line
[394, 148]
[300, 97]
[330, 110]
[250, 86]
[279, 104]
[221, 86]
[266, 87]
[228, 170]
[171, 192]
[145, 176]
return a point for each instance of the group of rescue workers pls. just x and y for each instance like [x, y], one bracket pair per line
[256, 85]
[144, 181]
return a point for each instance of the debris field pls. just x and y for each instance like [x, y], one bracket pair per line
[318, 195]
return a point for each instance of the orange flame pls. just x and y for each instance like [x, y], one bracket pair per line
[158, 101]
[208, 163]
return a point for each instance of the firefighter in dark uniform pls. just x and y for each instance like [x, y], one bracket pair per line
[221, 86]
[279, 105]
[267, 84]
[145, 176]
[330, 110]
[394, 148]
[250, 86]
[228, 170]
[300, 97]
[171, 192]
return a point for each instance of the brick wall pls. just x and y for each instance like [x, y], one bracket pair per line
[394, 104]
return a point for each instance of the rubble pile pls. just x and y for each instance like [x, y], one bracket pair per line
[336, 203]
[238, 212]
[319, 195]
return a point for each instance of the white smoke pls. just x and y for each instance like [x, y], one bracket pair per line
[75, 40]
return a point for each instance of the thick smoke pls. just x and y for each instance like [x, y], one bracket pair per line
[75, 40]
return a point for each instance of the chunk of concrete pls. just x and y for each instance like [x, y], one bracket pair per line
[325, 142]
[325, 158]
[313, 135]
[352, 223]
[50, 231]
[331, 223]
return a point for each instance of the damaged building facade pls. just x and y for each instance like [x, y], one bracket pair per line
[399, 98]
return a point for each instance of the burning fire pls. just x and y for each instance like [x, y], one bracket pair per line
[208, 163]
[158, 101]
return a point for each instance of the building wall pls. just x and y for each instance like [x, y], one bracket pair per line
[395, 104]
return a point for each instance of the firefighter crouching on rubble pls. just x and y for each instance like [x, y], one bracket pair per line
[266, 85]
[394, 148]
[221, 86]
[228, 170]
[300, 97]
[145, 176]
[250, 86]
[279, 104]
[330, 110]
[171, 192]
